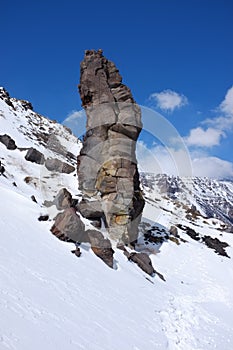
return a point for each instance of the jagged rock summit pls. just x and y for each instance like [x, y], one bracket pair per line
[107, 165]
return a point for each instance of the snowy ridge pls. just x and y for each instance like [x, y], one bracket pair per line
[211, 198]
[52, 299]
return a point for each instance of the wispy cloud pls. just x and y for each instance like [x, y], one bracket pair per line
[213, 130]
[200, 140]
[163, 160]
[160, 160]
[204, 138]
[227, 104]
[212, 167]
[168, 100]
[225, 110]
[76, 121]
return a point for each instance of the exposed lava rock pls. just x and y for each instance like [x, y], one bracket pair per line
[26, 105]
[142, 260]
[2, 169]
[33, 198]
[6, 97]
[193, 234]
[76, 252]
[213, 243]
[217, 245]
[43, 218]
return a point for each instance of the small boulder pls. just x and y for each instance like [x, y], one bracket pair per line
[101, 246]
[35, 156]
[143, 261]
[63, 199]
[69, 227]
[2, 169]
[76, 252]
[26, 105]
[33, 198]
[174, 231]
[54, 164]
[217, 245]
[193, 234]
[8, 142]
[43, 218]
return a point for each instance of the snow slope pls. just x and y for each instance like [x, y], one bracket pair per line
[53, 300]
[50, 299]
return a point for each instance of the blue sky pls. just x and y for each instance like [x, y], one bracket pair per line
[175, 55]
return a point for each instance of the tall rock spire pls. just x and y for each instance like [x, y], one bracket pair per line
[107, 166]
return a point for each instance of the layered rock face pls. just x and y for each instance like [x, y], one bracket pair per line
[107, 166]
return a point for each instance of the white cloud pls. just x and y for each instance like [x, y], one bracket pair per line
[76, 121]
[212, 167]
[204, 138]
[160, 160]
[74, 115]
[223, 122]
[227, 104]
[163, 160]
[215, 128]
[169, 100]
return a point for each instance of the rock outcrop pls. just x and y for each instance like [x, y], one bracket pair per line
[143, 261]
[2, 168]
[35, 156]
[101, 246]
[54, 164]
[63, 199]
[8, 142]
[69, 227]
[107, 166]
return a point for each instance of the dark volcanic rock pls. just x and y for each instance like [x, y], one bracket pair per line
[190, 232]
[35, 156]
[76, 252]
[2, 169]
[54, 164]
[213, 243]
[6, 97]
[69, 227]
[33, 198]
[193, 234]
[43, 218]
[107, 167]
[217, 245]
[26, 105]
[143, 261]
[101, 246]
[8, 142]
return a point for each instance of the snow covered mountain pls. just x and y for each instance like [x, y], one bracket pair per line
[52, 299]
[203, 197]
